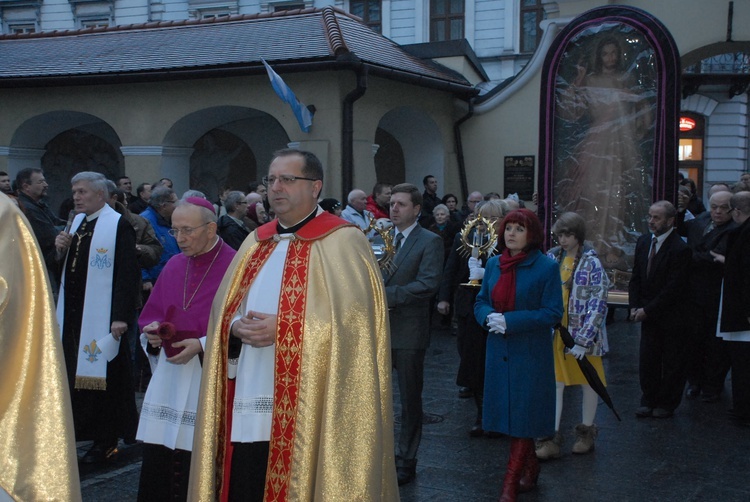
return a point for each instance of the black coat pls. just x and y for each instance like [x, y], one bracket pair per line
[705, 272]
[231, 232]
[736, 307]
[664, 294]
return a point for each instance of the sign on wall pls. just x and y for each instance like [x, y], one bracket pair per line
[519, 176]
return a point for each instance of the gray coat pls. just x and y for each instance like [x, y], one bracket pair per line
[410, 287]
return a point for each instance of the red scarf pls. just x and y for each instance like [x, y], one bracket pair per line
[504, 292]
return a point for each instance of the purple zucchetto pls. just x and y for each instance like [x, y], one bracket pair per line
[197, 201]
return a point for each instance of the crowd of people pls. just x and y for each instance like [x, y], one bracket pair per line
[224, 314]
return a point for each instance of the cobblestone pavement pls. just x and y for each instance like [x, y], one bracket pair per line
[698, 455]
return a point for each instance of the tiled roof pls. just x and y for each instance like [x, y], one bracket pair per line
[297, 40]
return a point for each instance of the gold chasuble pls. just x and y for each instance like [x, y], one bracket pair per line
[332, 423]
[37, 447]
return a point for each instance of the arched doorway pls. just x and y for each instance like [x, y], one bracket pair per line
[64, 143]
[412, 147]
[228, 145]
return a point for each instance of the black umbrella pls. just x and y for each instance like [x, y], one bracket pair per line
[592, 377]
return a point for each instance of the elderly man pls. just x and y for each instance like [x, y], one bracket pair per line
[182, 299]
[32, 189]
[356, 212]
[658, 294]
[734, 322]
[232, 228]
[309, 415]
[410, 286]
[708, 362]
[159, 214]
[472, 200]
[96, 303]
[379, 201]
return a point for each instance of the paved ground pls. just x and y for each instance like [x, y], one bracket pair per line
[696, 456]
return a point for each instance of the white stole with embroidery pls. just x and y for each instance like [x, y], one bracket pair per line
[96, 345]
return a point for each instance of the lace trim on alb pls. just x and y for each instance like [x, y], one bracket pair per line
[253, 405]
[167, 414]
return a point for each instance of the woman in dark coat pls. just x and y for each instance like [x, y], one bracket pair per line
[519, 303]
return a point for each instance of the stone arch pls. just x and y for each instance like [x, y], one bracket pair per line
[217, 146]
[63, 143]
[412, 147]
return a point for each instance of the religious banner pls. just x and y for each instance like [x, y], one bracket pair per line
[608, 129]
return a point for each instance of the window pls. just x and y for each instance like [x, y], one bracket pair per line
[690, 150]
[446, 20]
[370, 12]
[288, 6]
[18, 29]
[213, 13]
[95, 23]
[532, 13]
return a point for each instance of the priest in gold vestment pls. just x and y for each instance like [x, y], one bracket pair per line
[37, 447]
[311, 404]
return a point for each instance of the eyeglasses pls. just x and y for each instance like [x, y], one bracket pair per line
[285, 179]
[187, 231]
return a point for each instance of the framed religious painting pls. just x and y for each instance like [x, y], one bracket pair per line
[608, 131]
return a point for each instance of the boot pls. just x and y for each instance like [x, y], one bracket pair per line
[585, 435]
[531, 469]
[549, 447]
[477, 431]
[514, 471]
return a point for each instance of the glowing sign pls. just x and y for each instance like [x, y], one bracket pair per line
[686, 124]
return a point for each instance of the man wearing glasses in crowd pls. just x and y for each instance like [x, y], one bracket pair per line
[159, 213]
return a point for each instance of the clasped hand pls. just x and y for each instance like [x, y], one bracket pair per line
[578, 352]
[496, 323]
[256, 329]
[190, 347]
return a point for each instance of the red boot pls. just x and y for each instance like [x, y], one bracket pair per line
[531, 468]
[514, 470]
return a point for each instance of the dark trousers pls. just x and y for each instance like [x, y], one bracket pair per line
[708, 359]
[248, 477]
[472, 350]
[740, 357]
[164, 474]
[663, 355]
[409, 365]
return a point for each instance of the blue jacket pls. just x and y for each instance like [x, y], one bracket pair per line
[168, 244]
[519, 388]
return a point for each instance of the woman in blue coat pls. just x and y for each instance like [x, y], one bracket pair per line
[519, 303]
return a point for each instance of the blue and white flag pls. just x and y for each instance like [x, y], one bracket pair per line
[304, 116]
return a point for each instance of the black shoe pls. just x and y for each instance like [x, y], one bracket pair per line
[493, 434]
[662, 413]
[98, 453]
[476, 431]
[644, 412]
[465, 392]
[405, 474]
[692, 392]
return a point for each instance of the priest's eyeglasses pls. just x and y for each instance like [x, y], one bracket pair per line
[187, 231]
[285, 179]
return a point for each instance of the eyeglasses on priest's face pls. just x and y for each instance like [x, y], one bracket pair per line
[187, 231]
[284, 179]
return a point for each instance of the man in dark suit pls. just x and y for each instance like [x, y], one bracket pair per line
[659, 296]
[734, 325]
[708, 361]
[231, 227]
[409, 287]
